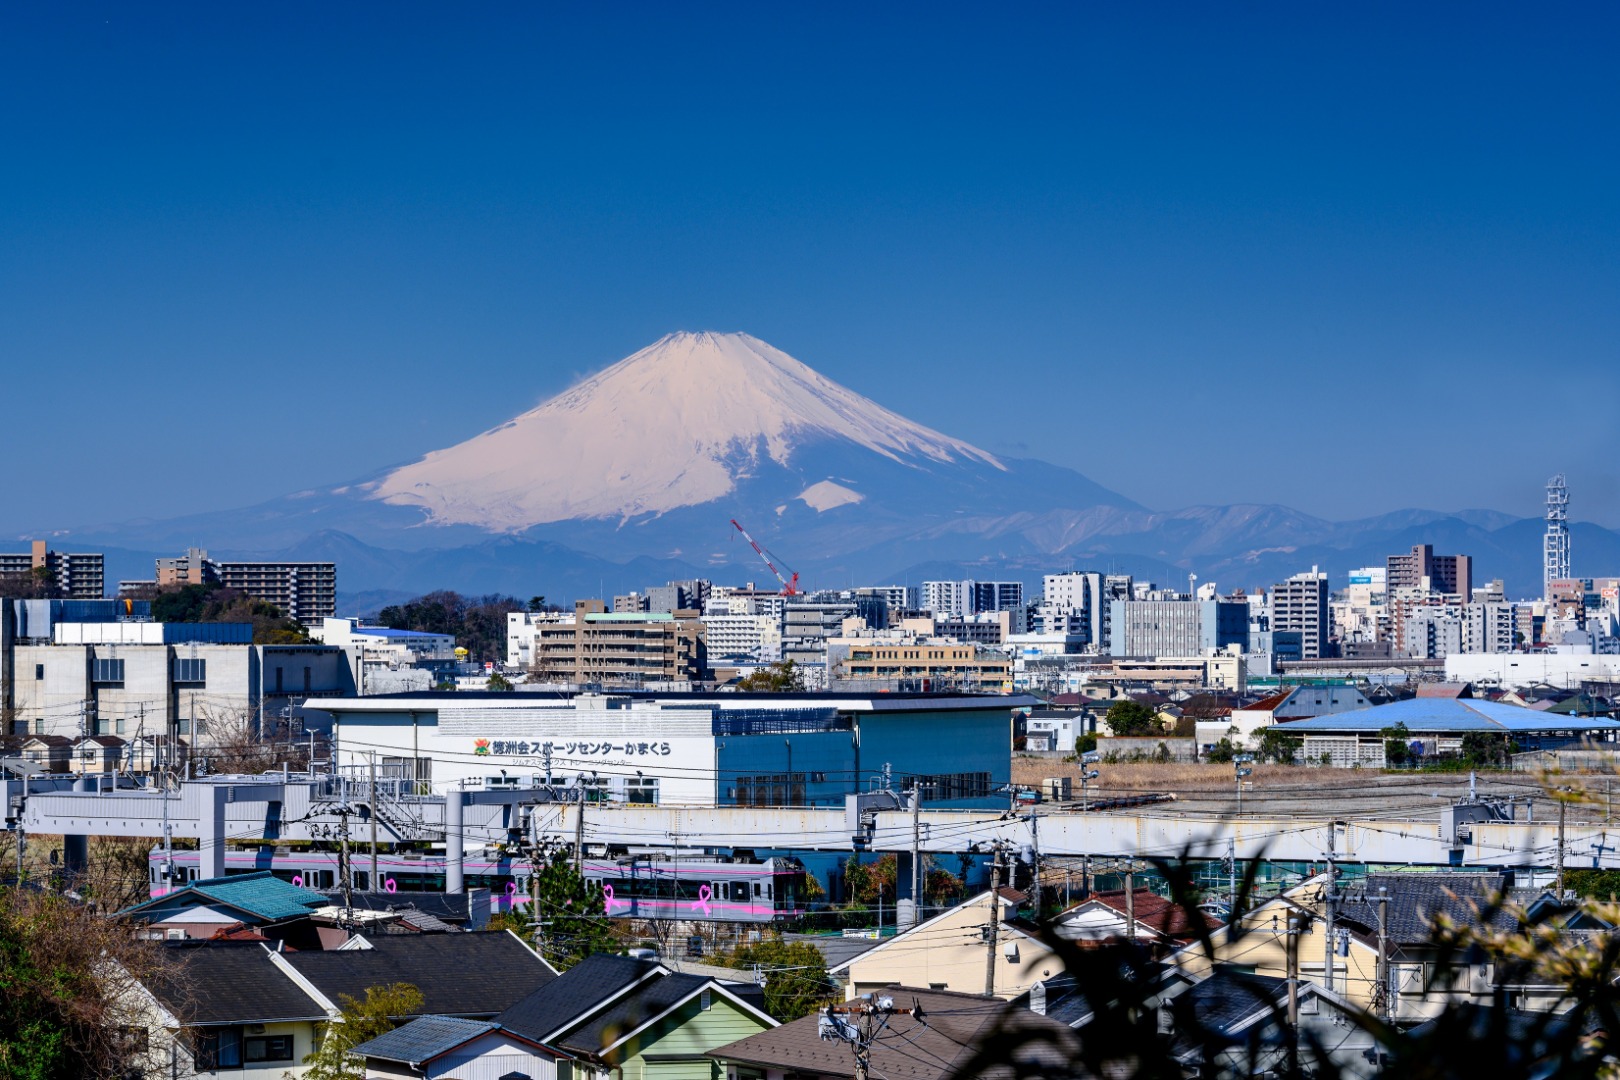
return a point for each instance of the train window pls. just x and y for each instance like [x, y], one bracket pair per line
[756, 888]
[739, 891]
[362, 880]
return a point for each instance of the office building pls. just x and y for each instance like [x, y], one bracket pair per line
[1301, 603]
[1186, 628]
[70, 576]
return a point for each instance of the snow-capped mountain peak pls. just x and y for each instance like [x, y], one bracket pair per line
[676, 424]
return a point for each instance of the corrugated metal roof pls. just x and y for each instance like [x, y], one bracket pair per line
[261, 894]
[1450, 715]
[424, 1038]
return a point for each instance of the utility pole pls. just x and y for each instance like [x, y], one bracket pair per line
[1035, 859]
[916, 853]
[992, 935]
[372, 879]
[1130, 905]
[871, 1015]
[1563, 807]
[1330, 898]
[579, 825]
[345, 867]
[1382, 1004]
[1295, 929]
[22, 841]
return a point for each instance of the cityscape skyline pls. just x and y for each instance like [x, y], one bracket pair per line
[1078, 200]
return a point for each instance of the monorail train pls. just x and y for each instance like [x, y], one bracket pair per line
[690, 888]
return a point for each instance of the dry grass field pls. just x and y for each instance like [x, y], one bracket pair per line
[1293, 790]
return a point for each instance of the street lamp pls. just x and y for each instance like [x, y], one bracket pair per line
[1090, 757]
[1240, 766]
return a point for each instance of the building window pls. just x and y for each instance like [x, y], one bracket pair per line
[39, 672]
[705, 1000]
[267, 1048]
[306, 680]
[118, 727]
[220, 1048]
[190, 670]
[107, 671]
[101, 727]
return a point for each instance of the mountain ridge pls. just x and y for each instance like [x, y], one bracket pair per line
[640, 467]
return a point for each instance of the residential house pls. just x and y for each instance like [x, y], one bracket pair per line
[948, 952]
[254, 1010]
[476, 976]
[1417, 986]
[1151, 920]
[450, 1048]
[200, 909]
[97, 755]
[619, 1016]
[937, 1034]
[1239, 1023]
[148, 752]
[51, 753]
[1259, 944]
[227, 1006]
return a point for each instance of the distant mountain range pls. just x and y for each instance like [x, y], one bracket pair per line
[631, 477]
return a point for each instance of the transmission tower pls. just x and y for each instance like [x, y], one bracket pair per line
[1555, 548]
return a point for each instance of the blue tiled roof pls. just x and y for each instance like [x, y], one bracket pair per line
[424, 1038]
[261, 894]
[1450, 716]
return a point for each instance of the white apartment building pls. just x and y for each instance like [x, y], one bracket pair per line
[1072, 604]
[1434, 631]
[971, 597]
[757, 637]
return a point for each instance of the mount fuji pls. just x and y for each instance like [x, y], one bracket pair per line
[631, 477]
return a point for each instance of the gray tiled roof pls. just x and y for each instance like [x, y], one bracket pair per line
[576, 991]
[230, 983]
[954, 1028]
[1417, 899]
[477, 975]
[424, 1038]
[646, 1002]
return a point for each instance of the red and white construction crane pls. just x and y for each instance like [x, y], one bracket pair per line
[789, 587]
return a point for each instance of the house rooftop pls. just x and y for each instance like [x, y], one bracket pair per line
[261, 895]
[476, 975]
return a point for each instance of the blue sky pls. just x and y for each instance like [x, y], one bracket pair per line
[1350, 260]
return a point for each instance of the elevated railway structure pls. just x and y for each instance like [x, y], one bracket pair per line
[219, 812]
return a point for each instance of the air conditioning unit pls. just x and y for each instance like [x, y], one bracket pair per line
[255, 1029]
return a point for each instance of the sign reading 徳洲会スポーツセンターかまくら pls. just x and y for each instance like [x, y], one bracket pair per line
[575, 748]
